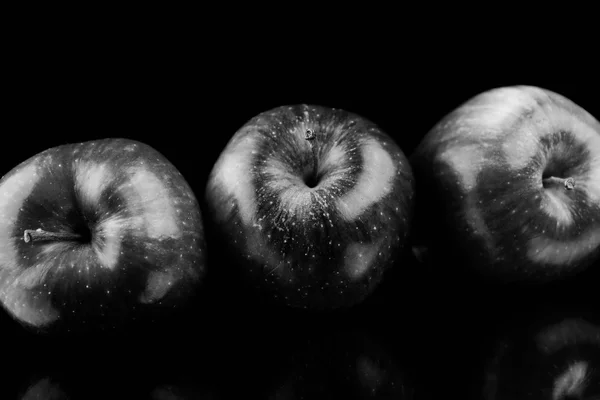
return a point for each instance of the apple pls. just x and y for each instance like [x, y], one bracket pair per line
[96, 234]
[315, 203]
[509, 184]
[548, 358]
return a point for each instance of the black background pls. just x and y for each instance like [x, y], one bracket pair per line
[187, 100]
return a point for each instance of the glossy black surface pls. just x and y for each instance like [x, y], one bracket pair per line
[431, 330]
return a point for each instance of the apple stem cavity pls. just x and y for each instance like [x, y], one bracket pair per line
[310, 136]
[552, 181]
[40, 235]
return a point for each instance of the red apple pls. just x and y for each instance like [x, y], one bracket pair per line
[509, 183]
[314, 201]
[95, 234]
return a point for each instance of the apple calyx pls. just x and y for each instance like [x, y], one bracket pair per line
[568, 183]
[40, 235]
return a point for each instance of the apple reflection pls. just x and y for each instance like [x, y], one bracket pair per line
[181, 392]
[44, 389]
[61, 384]
[554, 356]
[347, 365]
[184, 379]
[140, 384]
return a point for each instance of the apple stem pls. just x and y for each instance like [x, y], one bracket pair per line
[39, 235]
[568, 183]
[310, 136]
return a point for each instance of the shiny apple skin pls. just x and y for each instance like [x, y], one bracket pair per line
[145, 254]
[321, 247]
[481, 197]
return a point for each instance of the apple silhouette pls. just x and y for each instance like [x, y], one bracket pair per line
[554, 356]
[315, 202]
[96, 235]
[509, 184]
